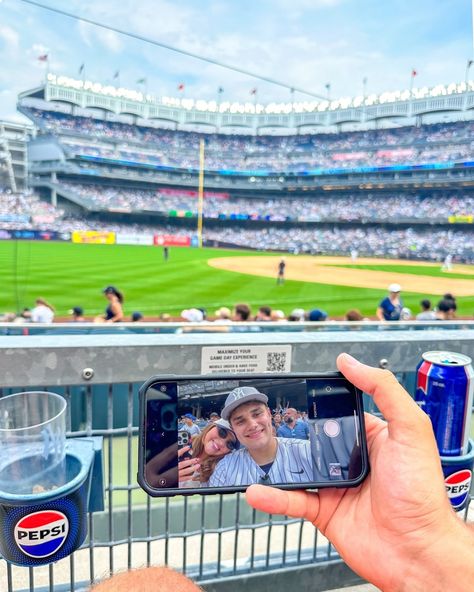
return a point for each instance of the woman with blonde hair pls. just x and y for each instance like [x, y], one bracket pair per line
[215, 441]
[43, 312]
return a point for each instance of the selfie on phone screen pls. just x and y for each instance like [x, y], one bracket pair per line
[230, 433]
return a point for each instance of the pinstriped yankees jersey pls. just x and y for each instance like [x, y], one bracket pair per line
[292, 464]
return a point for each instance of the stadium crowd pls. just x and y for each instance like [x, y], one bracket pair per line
[134, 143]
[344, 207]
[407, 243]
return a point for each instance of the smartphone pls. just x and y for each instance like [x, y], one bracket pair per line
[293, 431]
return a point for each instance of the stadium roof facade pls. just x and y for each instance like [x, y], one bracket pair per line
[255, 117]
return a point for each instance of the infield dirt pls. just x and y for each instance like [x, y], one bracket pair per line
[323, 270]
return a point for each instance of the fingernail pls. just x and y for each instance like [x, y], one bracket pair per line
[350, 361]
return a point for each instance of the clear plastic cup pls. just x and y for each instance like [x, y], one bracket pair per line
[32, 442]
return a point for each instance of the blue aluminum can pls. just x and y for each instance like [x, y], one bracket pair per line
[444, 387]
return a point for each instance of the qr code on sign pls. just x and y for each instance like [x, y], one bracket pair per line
[276, 362]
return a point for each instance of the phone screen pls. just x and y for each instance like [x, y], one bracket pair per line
[212, 433]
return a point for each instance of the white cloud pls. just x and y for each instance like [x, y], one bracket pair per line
[10, 38]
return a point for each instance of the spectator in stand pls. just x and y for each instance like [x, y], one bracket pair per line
[453, 306]
[213, 417]
[354, 315]
[293, 426]
[193, 315]
[317, 315]
[264, 314]
[444, 310]
[77, 315]
[189, 425]
[278, 316]
[391, 306]
[427, 313]
[242, 313]
[223, 315]
[297, 315]
[136, 317]
[114, 311]
[43, 312]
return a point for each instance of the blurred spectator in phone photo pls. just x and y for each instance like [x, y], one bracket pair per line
[189, 425]
[427, 313]
[213, 417]
[242, 313]
[43, 312]
[293, 426]
[77, 315]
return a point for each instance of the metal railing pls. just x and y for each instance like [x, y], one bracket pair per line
[216, 540]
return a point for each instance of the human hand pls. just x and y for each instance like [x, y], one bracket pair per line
[397, 529]
[161, 469]
[188, 466]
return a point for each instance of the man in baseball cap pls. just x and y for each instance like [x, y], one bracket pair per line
[263, 458]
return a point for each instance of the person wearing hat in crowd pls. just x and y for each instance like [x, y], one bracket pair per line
[390, 308]
[215, 441]
[193, 315]
[189, 425]
[317, 315]
[114, 311]
[214, 416]
[136, 317]
[77, 315]
[263, 457]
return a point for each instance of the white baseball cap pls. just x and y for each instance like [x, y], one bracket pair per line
[394, 288]
[239, 396]
[193, 315]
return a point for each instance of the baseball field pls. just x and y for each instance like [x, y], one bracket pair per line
[69, 275]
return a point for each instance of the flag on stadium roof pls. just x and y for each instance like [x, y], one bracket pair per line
[253, 91]
[43, 58]
[81, 69]
[117, 74]
[141, 81]
[414, 73]
[220, 90]
[181, 87]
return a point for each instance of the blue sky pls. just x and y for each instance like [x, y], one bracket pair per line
[305, 43]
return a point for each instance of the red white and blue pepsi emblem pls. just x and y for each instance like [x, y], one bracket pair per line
[458, 486]
[41, 534]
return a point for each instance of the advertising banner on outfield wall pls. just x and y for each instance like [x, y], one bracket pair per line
[171, 240]
[123, 238]
[46, 235]
[95, 237]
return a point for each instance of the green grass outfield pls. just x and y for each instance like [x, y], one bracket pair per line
[70, 275]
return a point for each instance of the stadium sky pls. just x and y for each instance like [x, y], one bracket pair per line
[305, 43]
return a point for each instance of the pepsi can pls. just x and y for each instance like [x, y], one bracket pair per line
[458, 477]
[444, 386]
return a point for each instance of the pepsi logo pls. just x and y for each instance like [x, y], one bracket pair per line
[41, 534]
[458, 486]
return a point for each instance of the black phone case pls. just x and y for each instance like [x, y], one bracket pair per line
[170, 492]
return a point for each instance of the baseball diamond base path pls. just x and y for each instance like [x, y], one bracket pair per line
[322, 270]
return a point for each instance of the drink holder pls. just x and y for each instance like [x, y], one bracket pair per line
[458, 477]
[39, 528]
